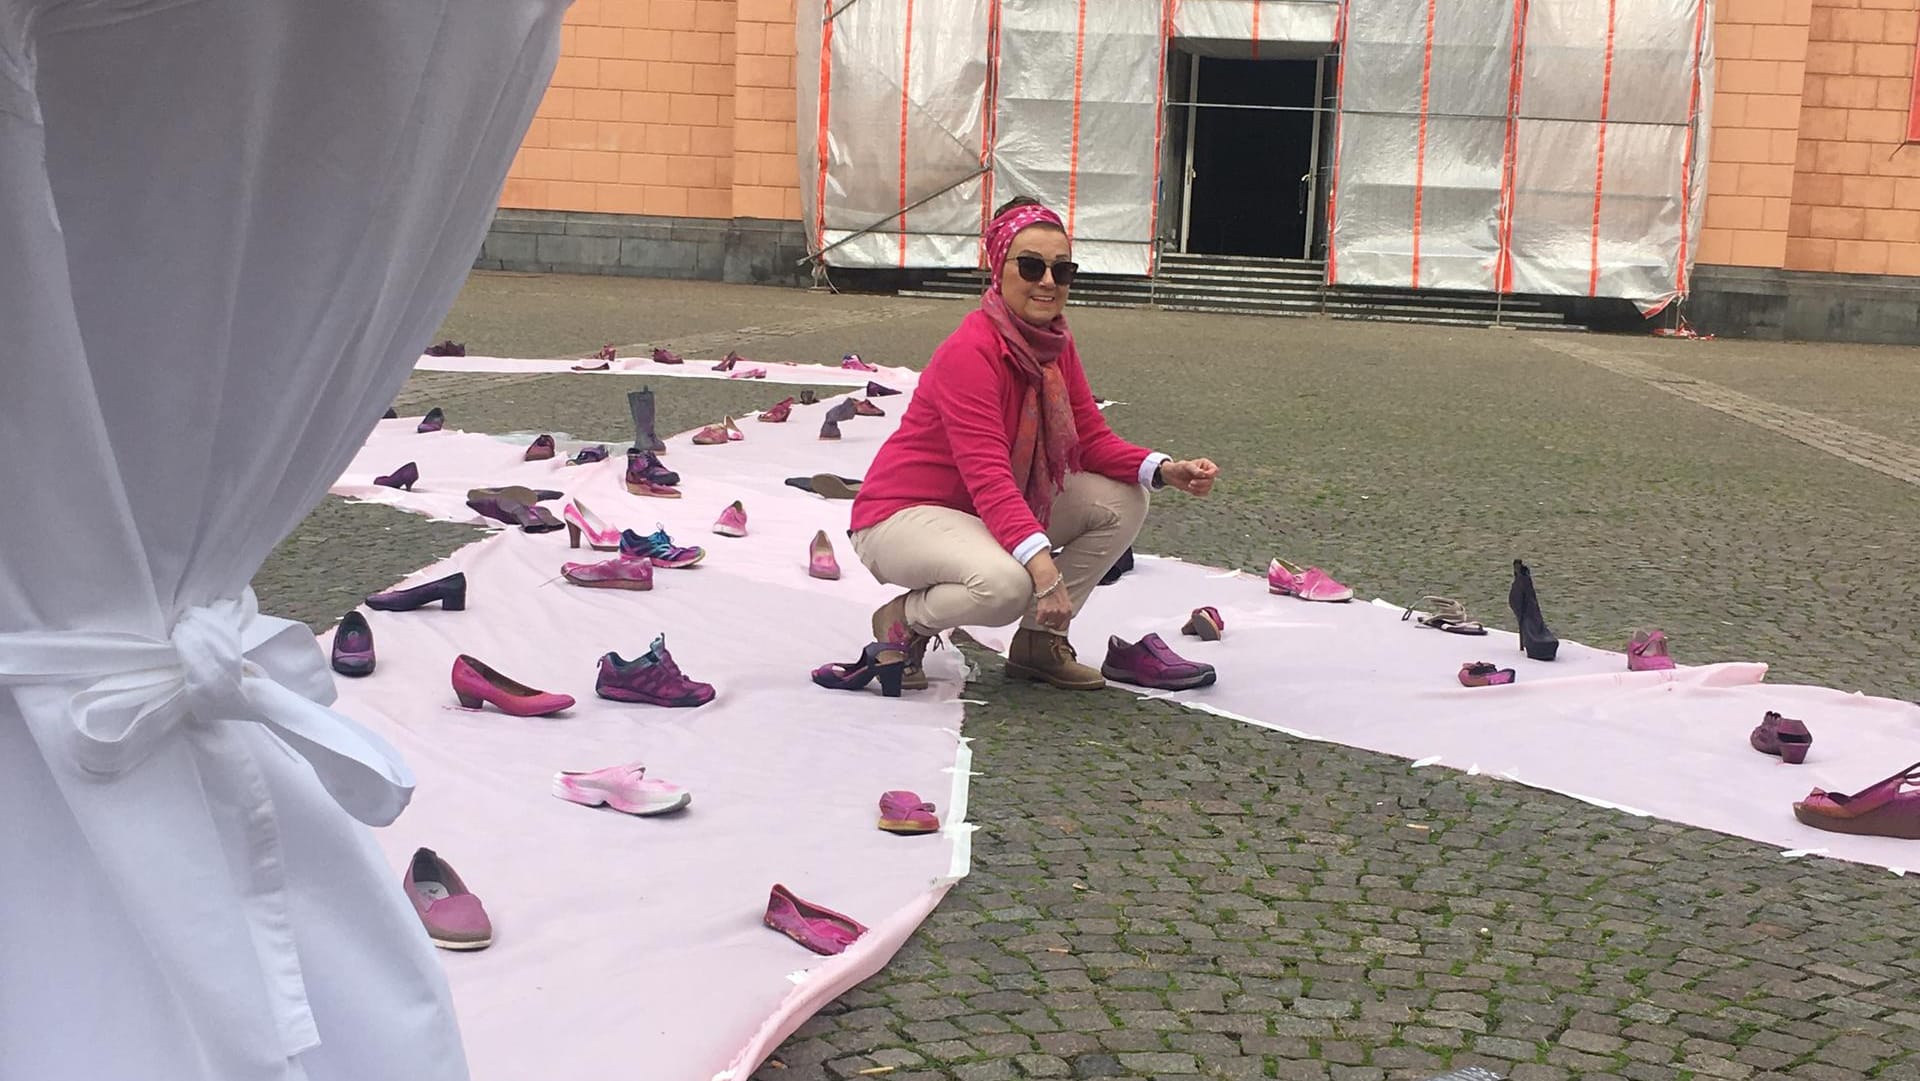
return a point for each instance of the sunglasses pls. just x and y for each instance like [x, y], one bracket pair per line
[1033, 268]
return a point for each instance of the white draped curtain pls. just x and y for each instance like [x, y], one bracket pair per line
[227, 227]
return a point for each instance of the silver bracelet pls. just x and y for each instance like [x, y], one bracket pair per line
[1048, 592]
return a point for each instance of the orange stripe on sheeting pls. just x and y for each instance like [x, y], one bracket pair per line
[1073, 162]
[1420, 152]
[1516, 77]
[906, 70]
[1339, 122]
[1159, 128]
[1600, 160]
[826, 96]
[1686, 159]
[1256, 29]
[989, 125]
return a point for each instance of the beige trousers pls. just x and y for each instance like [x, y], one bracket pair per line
[957, 575]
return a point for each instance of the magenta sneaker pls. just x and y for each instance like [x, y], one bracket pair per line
[623, 788]
[1149, 663]
[906, 812]
[821, 930]
[619, 572]
[650, 679]
[733, 520]
[454, 918]
[852, 362]
[1311, 584]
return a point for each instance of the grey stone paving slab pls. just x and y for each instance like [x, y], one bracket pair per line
[1159, 893]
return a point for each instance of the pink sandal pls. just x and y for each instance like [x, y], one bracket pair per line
[1647, 652]
[1879, 810]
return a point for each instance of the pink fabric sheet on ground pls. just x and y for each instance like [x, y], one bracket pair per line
[1672, 745]
[638, 941]
[831, 375]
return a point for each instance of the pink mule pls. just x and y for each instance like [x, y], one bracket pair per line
[1311, 584]
[821, 930]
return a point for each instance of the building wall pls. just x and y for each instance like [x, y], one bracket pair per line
[666, 108]
[1760, 48]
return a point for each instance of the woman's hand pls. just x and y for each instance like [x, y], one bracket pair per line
[1193, 477]
[1055, 610]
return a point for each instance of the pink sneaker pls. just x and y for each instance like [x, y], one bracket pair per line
[623, 788]
[620, 572]
[906, 812]
[852, 362]
[820, 561]
[1312, 584]
[454, 918]
[733, 521]
[821, 930]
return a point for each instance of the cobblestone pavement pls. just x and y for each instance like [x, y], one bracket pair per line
[1159, 893]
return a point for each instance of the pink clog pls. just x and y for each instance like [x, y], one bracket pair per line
[821, 930]
[624, 788]
[732, 521]
[906, 812]
[454, 918]
[1311, 584]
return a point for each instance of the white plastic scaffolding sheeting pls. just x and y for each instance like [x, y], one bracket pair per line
[1503, 145]
[1255, 29]
[910, 149]
[897, 97]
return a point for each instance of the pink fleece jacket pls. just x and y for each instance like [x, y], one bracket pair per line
[954, 446]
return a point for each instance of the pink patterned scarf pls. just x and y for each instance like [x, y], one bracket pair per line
[1046, 446]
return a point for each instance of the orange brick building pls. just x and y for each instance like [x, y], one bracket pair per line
[667, 145]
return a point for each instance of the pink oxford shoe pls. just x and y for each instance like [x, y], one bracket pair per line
[905, 812]
[1311, 584]
[820, 561]
[623, 788]
[620, 572]
[732, 521]
[821, 930]
[454, 918]
[475, 683]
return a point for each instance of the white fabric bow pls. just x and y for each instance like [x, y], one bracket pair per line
[222, 662]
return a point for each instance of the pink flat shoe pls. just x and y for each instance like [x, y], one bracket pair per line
[1205, 624]
[582, 522]
[454, 918]
[620, 572]
[733, 521]
[711, 435]
[623, 788]
[1647, 652]
[1311, 584]
[905, 812]
[820, 562]
[1782, 736]
[475, 684]
[821, 930]
[1890, 808]
[1484, 674]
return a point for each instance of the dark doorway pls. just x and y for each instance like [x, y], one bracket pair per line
[1248, 197]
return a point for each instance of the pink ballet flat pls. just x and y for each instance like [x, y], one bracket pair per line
[1311, 584]
[821, 930]
[1647, 652]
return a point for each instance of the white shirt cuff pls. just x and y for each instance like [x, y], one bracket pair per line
[1152, 463]
[1032, 546]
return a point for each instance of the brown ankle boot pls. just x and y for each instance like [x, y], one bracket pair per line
[1049, 658]
[890, 625]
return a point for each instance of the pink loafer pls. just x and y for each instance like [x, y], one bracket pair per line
[821, 930]
[1311, 584]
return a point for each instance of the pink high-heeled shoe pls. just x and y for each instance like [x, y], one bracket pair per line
[1647, 652]
[821, 930]
[601, 537]
[820, 560]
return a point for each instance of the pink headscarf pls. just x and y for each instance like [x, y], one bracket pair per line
[1046, 444]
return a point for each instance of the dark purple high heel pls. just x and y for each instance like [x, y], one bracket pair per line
[353, 646]
[450, 591]
[448, 348]
[884, 661]
[402, 477]
[433, 421]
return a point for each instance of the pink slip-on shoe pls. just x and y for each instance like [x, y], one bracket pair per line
[905, 812]
[454, 918]
[1484, 674]
[727, 362]
[852, 362]
[601, 537]
[1150, 663]
[475, 683]
[732, 522]
[624, 788]
[620, 572]
[820, 560]
[821, 930]
[711, 435]
[1311, 584]
[1647, 652]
